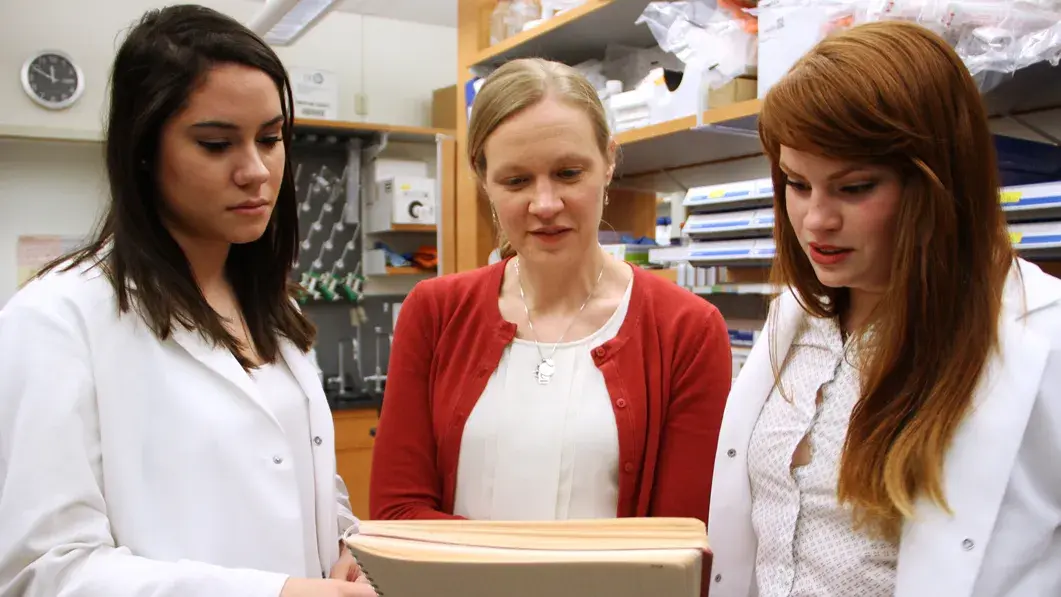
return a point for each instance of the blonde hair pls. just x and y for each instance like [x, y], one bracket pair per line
[518, 85]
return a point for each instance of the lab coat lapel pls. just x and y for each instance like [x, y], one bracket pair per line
[730, 518]
[322, 428]
[756, 380]
[978, 465]
[304, 372]
[219, 361]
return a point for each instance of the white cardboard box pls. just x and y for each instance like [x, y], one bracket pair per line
[786, 33]
[402, 200]
[381, 169]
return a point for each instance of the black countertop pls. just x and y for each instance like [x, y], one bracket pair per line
[353, 400]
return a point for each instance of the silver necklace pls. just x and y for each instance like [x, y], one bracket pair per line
[547, 366]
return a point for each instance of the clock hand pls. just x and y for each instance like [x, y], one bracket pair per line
[52, 70]
[51, 77]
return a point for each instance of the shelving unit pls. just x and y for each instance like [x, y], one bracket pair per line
[727, 238]
[436, 146]
[573, 36]
[742, 236]
[651, 156]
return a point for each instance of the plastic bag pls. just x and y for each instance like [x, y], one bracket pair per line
[990, 36]
[718, 39]
[1004, 37]
[994, 38]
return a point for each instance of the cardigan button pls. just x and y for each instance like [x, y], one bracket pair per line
[628, 467]
[599, 351]
[621, 403]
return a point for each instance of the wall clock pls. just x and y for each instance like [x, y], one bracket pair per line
[52, 79]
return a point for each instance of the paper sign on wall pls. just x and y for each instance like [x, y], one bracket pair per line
[316, 93]
[34, 252]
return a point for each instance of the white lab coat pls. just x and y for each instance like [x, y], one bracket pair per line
[132, 467]
[1002, 475]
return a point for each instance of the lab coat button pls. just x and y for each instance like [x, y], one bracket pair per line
[718, 578]
[968, 545]
[317, 440]
[731, 453]
[278, 460]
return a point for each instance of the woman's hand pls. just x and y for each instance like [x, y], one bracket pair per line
[312, 587]
[346, 568]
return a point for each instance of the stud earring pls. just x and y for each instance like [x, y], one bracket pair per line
[606, 197]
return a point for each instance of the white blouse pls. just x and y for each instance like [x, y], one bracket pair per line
[543, 452]
[283, 397]
[806, 543]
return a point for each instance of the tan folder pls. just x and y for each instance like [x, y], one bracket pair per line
[622, 557]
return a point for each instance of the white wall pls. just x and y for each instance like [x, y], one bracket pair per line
[37, 198]
[363, 51]
[49, 187]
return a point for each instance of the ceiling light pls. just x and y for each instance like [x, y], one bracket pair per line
[281, 22]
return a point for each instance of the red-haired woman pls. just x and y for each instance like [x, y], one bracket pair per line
[898, 429]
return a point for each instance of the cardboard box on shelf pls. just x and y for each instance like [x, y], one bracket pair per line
[737, 90]
[444, 108]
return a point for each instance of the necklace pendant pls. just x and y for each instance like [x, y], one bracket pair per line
[544, 371]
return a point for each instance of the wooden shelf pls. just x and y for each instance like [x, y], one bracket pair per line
[650, 158]
[302, 125]
[408, 271]
[367, 129]
[45, 133]
[573, 36]
[731, 132]
[725, 133]
[430, 228]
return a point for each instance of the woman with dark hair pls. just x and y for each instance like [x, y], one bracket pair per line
[897, 430]
[162, 431]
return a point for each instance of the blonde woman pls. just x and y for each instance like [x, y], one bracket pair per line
[558, 383]
[898, 429]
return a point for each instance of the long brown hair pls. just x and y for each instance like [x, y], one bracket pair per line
[518, 85]
[159, 63]
[895, 94]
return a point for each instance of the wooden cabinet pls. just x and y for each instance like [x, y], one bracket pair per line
[353, 453]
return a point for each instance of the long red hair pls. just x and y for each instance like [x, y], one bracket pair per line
[894, 93]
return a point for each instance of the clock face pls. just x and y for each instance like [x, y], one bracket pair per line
[52, 80]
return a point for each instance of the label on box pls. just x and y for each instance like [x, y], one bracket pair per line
[1010, 196]
[316, 93]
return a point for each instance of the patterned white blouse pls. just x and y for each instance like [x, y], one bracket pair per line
[806, 543]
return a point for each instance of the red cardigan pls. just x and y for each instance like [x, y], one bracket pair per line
[668, 372]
